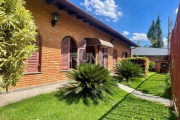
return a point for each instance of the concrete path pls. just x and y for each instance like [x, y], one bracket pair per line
[149, 97]
[20, 94]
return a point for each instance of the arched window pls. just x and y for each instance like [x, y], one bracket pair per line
[126, 54]
[33, 63]
[73, 55]
[68, 54]
[114, 57]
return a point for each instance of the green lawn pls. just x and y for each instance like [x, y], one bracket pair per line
[123, 107]
[154, 83]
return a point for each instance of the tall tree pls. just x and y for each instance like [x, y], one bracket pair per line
[155, 34]
[152, 33]
[17, 35]
[160, 43]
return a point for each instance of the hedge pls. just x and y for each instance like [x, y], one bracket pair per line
[142, 61]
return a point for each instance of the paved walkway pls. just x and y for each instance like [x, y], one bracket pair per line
[20, 94]
[149, 97]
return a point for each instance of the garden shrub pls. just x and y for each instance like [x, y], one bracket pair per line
[142, 61]
[152, 66]
[127, 69]
[168, 91]
[17, 35]
[91, 83]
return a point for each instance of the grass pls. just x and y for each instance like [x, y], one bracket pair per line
[123, 107]
[154, 83]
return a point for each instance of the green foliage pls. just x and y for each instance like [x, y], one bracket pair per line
[17, 33]
[155, 84]
[168, 80]
[142, 61]
[133, 108]
[152, 66]
[127, 69]
[152, 33]
[160, 43]
[91, 82]
[168, 88]
[155, 34]
[136, 81]
[122, 107]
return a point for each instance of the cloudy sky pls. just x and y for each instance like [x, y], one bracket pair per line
[132, 18]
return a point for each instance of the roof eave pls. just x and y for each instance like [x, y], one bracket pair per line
[80, 14]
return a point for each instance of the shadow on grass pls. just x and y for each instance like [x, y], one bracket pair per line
[131, 107]
[144, 81]
[167, 90]
[115, 106]
[70, 97]
[145, 91]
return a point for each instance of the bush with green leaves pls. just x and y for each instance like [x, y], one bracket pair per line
[17, 34]
[152, 66]
[168, 91]
[127, 69]
[142, 61]
[91, 83]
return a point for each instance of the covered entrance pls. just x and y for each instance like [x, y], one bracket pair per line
[90, 52]
[87, 52]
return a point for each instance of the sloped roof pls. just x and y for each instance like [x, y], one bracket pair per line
[87, 18]
[145, 51]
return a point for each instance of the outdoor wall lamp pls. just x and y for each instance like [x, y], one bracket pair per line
[112, 41]
[55, 18]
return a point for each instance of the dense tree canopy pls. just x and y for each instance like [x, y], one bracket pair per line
[155, 35]
[17, 35]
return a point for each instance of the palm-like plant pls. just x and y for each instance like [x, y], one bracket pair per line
[91, 83]
[126, 69]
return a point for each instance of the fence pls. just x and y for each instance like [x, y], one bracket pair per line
[175, 63]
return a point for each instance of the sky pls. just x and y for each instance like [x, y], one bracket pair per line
[132, 18]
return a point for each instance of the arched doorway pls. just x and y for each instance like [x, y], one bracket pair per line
[90, 52]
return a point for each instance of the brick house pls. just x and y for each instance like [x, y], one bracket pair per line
[157, 55]
[62, 43]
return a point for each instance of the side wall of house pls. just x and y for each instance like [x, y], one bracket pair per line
[51, 38]
[156, 58]
[174, 63]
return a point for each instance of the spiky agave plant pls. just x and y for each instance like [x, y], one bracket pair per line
[93, 84]
[126, 69]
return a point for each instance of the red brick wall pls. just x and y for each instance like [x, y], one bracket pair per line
[159, 68]
[156, 58]
[174, 59]
[51, 38]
